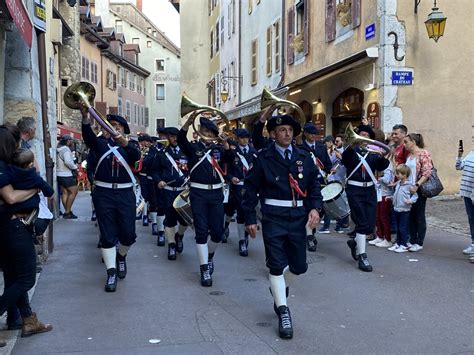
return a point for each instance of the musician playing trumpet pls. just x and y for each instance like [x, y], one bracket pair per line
[206, 159]
[361, 193]
[113, 195]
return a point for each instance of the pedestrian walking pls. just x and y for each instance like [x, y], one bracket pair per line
[285, 178]
[65, 172]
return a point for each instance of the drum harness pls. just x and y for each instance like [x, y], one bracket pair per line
[244, 163]
[180, 173]
[367, 168]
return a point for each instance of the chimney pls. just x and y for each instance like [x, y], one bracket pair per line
[139, 5]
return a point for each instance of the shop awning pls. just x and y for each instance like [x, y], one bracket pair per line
[22, 21]
[252, 106]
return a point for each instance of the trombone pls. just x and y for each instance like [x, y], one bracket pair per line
[351, 138]
[81, 94]
[190, 107]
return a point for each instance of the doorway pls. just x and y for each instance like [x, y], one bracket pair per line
[347, 108]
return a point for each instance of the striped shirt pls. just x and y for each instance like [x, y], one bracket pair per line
[467, 178]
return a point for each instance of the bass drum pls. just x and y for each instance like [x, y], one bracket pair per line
[182, 205]
[335, 200]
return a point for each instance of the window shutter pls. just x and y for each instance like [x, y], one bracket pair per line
[289, 43]
[147, 117]
[306, 28]
[330, 20]
[355, 13]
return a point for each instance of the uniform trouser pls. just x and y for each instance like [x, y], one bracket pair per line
[363, 203]
[158, 204]
[18, 260]
[115, 210]
[236, 196]
[284, 237]
[171, 216]
[145, 187]
[208, 213]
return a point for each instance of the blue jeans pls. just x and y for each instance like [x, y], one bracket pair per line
[402, 219]
[470, 215]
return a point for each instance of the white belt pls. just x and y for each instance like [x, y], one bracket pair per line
[360, 184]
[283, 203]
[240, 183]
[169, 188]
[206, 186]
[142, 174]
[110, 185]
[149, 177]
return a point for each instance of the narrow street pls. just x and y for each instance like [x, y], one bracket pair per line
[411, 303]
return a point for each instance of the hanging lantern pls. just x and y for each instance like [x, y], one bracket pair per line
[435, 23]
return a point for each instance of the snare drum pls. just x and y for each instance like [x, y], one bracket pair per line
[335, 201]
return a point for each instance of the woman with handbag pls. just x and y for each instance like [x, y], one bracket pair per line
[419, 162]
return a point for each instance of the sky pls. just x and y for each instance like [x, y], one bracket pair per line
[164, 16]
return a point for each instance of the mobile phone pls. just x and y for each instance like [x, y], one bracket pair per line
[461, 149]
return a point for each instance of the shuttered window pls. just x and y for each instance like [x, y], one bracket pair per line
[276, 26]
[254, 62]
[290, 53]
[330, 20]
[269, 51]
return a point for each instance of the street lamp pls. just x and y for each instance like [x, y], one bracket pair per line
[435, 23]
[224, 92]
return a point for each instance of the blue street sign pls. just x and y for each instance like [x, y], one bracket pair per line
[370, 31]
[402, 78]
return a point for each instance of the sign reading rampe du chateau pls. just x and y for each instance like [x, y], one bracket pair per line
[21, 19]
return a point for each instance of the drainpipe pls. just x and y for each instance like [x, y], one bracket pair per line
[282, 40]
[49, 164]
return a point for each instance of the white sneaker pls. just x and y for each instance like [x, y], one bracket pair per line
[393, 247]
[469, 250]
[384, 244]
[401, 249]
[375, 241]
[415, 247]
[409, 245]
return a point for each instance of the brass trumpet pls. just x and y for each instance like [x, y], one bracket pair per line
[351, 138]
[81, 94]
[190, 107]
[267, 99]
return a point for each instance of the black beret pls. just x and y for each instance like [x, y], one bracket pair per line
[121, 120]
[310, 128]
[161, 130]
[232, 142]
[366, 128]
[171, 130]
[242, 133]
[205, 122]
[144, 138]
[282, 120]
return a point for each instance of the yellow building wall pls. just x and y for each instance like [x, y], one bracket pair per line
[108, 95]
[91, 52]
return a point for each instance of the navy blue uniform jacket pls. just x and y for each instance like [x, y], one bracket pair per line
[237, 168]
[319, 152]
[163, 170]
[269, 178]
[350, 160]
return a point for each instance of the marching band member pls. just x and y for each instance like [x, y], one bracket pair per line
[323, 165]
[361, 193]
[206, 195]
[245, 156]
[145, 141]
[170, 172]
[285, 178]
[113, 195]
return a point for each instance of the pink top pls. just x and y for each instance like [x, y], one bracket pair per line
[423, 164]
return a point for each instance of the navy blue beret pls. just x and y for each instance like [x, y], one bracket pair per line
[310, 128]
[366, 128]
[242, 133]
[121, 120]
[284, 120]
[171, 130]
[144, 138]
[205, 122]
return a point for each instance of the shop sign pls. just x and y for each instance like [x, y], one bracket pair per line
[370, 31]
[402, 78]
[319, 120]
[373, 114]
[22, 21]
[39, 19]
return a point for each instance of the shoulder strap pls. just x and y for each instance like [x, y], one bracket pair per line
[114, 151]
[200, 161]
[357, 167]
[367, 167]
[209, 159]
[243, 160]
[173, 163]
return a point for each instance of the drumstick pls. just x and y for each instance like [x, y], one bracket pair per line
[170, 182]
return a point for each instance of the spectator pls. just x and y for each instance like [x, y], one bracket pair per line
[17, 252]
[419, 162]
[399, 132]
[27, 126]
[403, 199]
[66, 169]
[467, 192]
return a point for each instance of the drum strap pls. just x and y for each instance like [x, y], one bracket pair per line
[366, 165]
[114, 151]
[318, 164]
[243, 160]
[173, 163]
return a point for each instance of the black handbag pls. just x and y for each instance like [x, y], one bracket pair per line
[433, 186]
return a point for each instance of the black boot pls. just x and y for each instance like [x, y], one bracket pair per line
[243, 251]
[206, 279]
[161, 239]
[145, 220]
[171, 251]
[111, 283]
[311, 242]
[364, 264]
[226, 233]
[210, 262]
[154, 229]
[179, 242]
[285, 327]
[121, 266]
[275, 308]
[351, 243]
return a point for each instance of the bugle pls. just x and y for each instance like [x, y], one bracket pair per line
[351, 138]
[268, 99]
